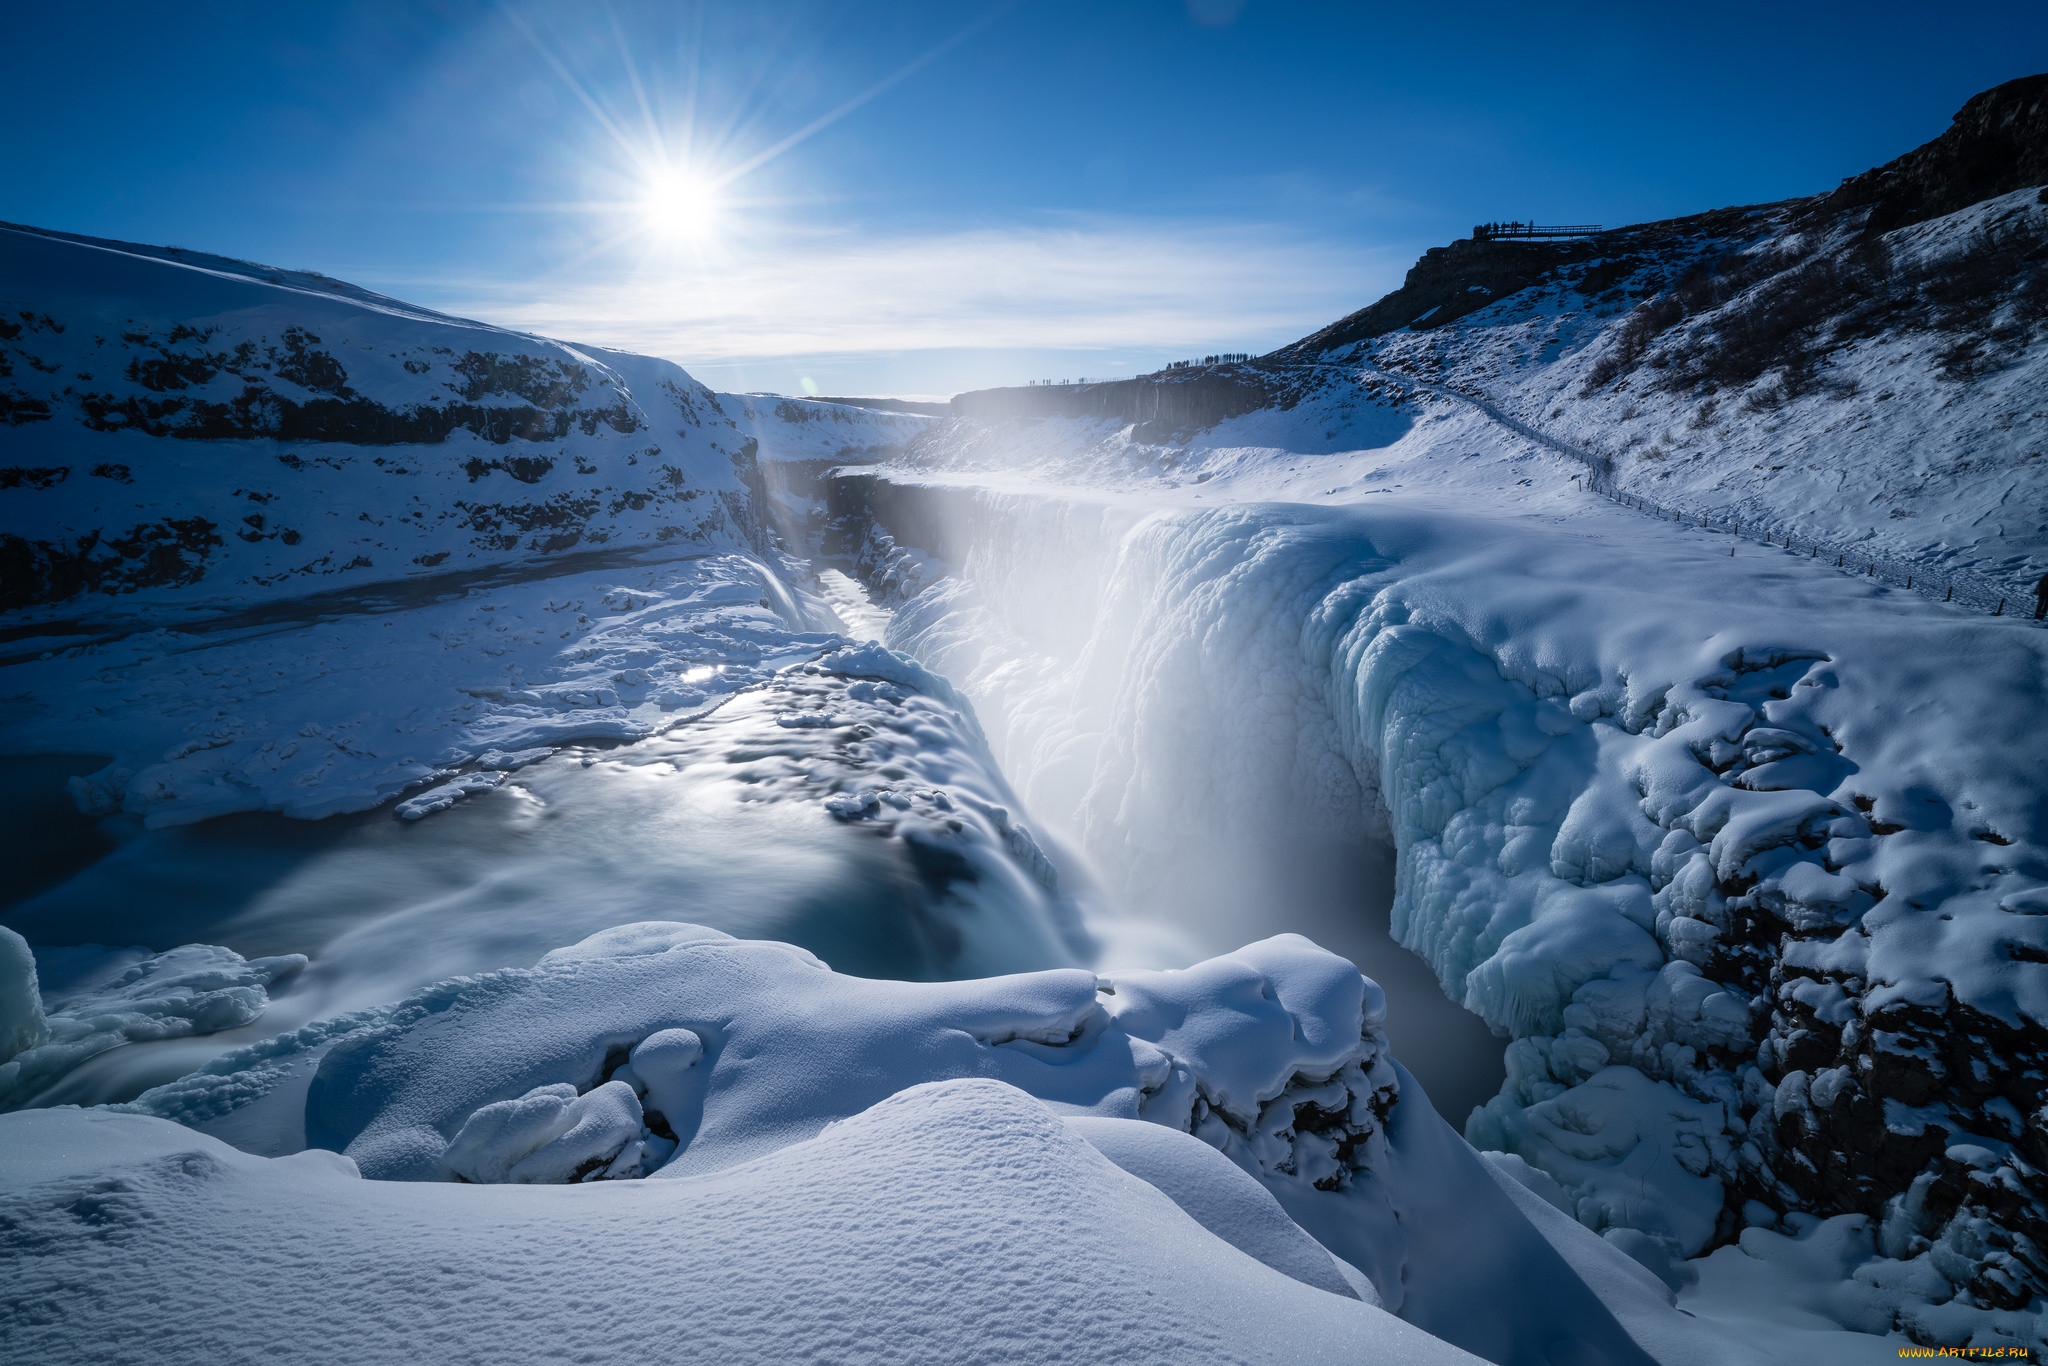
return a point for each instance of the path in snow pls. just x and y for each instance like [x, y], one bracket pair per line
[1940, 586]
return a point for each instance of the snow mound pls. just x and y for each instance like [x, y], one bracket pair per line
[667, 1051]
[1272, 1055]
[955, 1222]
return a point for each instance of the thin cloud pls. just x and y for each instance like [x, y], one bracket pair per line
[1090, 286]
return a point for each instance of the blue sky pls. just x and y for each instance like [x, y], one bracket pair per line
[918, 198]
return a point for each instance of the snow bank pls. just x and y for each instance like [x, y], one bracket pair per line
[673, 1051]
[333, 709]
[954, 1222]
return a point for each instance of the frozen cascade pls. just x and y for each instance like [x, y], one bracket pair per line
[1141, 716]
[1647, 857]
[1746, 864]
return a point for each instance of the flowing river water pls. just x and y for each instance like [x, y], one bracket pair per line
[1164, 752]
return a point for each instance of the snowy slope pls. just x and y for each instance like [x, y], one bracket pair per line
[868, 1243]
[747, 1071]
[1864, 367]
[180, 422]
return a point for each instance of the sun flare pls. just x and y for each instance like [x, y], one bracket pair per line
[679, 204]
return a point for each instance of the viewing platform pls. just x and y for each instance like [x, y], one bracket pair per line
[1484, 232]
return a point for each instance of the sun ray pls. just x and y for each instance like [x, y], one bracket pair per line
[589, 101]
[901, 74]
[632, 68]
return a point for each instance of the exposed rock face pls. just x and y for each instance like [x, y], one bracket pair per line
[1997, 144]
[1160, 404]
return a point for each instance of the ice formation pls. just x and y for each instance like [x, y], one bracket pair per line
[113, 997]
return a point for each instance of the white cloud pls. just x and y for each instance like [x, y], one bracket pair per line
[1084, 285]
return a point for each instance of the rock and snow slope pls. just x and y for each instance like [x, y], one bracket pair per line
[183, 421]
[1865, 366]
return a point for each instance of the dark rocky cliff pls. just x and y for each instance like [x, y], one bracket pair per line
[1161, 404]
[1998, 143]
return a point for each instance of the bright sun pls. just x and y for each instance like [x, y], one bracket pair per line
[679, 204]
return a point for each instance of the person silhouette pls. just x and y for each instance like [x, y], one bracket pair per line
[2041, 598]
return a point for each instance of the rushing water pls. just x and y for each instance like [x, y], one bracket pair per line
[599, 836]
[1146, 680]
[670, 828]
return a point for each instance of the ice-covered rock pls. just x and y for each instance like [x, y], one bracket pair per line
[22, 1026]
[131, 996]
[441, 796]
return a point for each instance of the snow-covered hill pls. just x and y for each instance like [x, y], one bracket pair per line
[1864, 367]
[183, 422]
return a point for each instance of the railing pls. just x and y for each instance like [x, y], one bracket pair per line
[1486, 231]
[1224, 358]
[1943, 586]
[1956, 588]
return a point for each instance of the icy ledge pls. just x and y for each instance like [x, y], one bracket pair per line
[110, 997]
[1254, 1090]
